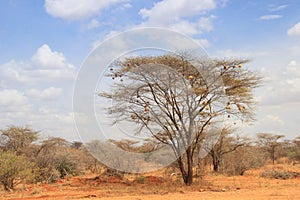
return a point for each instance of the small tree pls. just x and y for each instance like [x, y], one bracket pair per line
[176, 98]
[227, 143]
[297, 148]
[14, 169]
[56, 158]
[294, 149]
[270, 143]
[244, 158]
[17, 139]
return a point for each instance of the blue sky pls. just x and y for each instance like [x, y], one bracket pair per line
[43, 44]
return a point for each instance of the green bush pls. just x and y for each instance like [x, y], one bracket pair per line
[66, 167]
[46, 174]
[14, 169]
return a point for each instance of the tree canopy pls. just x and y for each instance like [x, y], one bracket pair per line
[177, 98]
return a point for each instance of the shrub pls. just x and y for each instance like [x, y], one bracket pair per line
[14, 169]
[245, 158]
[56, 159]
[279, 174]
[66, 167]
[140, 179]
[46, 174]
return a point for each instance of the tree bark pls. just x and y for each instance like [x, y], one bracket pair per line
[216, 162]
[187, 172]
[189, 176]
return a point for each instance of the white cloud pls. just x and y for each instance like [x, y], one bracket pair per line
[48, 59]
[274, 119]
[206, 23]
[294, 68]
[12, 97]
[77, 9]
[16, 71]
[277, 8]
[203, 42]
[126, 6]
[283, 88]
[229, 53]
[46, 94]
[295, 30]
[93, 24]
[45, 65]
[185, 27]
[295, 50]
[270, 17]
[168, 10]
[173, 14]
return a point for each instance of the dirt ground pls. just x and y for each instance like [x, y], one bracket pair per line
[159, 187]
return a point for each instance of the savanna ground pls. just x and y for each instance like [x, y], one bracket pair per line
[161, 186]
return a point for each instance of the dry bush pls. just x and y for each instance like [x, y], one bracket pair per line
[279, 174]
[56, 158]
[245, 158]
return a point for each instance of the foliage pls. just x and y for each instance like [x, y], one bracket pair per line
[14, 169]
[270, 143]
[227, 143]
[17, 139]
[66, 167]
[57, 158]
[175, 98]
[296, 149]
[245, 158]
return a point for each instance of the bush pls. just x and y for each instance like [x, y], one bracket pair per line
[14, 169]
[140, 179]
[279, 174]
[46, 174]
[66, 167]
[56, 159]
[245, 158]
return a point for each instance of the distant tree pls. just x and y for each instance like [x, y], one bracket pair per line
[77, 145]
[175, 98]
[56, 158]
[297, 147]
[17, 139]
[133, 146]
[14, 169]
[294, 152]
[227, 143]
[296, 141]
[270, 142]
[244, 158]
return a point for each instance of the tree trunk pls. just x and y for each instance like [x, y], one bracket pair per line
[182, 170]
[216, 162]
[189, 178]
[216, 166]
[187, 174]
[273, 154]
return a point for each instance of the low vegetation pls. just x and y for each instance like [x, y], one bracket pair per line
[30, 160]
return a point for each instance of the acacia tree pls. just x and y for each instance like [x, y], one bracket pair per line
[17, 139]
[175, 98]
[296, 143]
[226, 143]
[270, 142]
